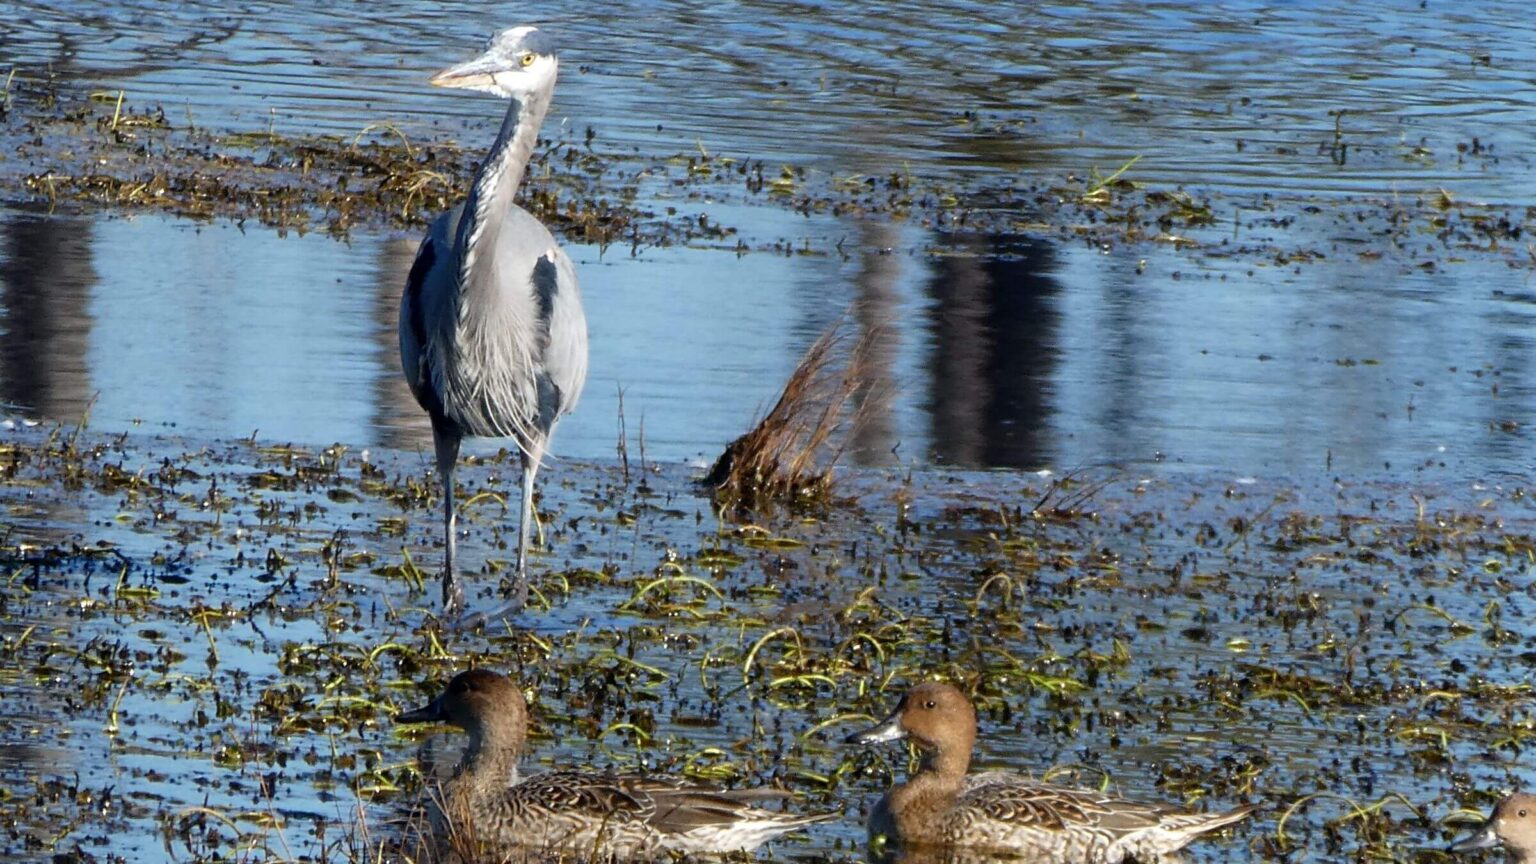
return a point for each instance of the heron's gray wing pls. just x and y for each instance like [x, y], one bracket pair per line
[425, 309]
[542, 301]
[413, 326]
[565, 358]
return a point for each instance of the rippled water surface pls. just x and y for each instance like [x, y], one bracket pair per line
[1362, 359]
[1064, 85]
[1002, 351]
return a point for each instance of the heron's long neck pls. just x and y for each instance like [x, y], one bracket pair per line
[496, 182]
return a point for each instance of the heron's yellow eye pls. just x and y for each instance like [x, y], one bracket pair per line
[526, 60]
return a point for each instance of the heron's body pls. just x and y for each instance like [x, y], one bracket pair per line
[493, 340]
[482, 357]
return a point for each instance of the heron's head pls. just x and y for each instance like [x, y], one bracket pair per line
[516, 62]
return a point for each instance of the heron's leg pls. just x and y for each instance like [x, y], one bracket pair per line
[446, 440]
[530, 470]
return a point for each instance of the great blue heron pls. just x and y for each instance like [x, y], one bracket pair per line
[492, 337]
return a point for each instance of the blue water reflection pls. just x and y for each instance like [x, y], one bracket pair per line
[998, 351]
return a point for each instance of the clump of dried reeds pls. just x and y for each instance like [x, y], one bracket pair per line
[789, 455]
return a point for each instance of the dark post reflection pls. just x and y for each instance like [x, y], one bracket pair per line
[875, 319]
[994, 329]
[399, 422]
[46, 278]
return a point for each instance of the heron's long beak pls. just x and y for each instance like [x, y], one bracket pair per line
[1483, 839]
[476, 74]
[429, 713]
[889, 729]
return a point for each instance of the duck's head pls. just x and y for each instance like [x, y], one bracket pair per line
[1512, 826]
[937, 717]
[479, 701]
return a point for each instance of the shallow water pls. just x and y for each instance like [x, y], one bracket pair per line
[1065, 86]
[1001, 351]
[245, 642]
[1019, 355]
[1031, 350]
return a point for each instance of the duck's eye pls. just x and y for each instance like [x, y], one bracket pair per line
[930, 704]
[1521, 814]
[526, 59]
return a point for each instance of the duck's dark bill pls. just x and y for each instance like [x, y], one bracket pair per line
[888, 730]
[1483, 839]
[428, 713]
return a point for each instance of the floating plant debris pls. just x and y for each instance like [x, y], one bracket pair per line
[205, 642]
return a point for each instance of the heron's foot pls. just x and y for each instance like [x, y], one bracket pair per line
[517, 600]
[475, 620]
[453, 597]
[457, 618]
[518, 596]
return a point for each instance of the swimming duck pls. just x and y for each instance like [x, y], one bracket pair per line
[942, 805]
[479, 817]
[1512, 825]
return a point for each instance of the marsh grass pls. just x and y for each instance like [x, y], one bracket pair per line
[788, 457]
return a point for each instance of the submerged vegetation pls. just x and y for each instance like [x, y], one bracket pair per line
[72, 149]
[93, 151]
[223, 632]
